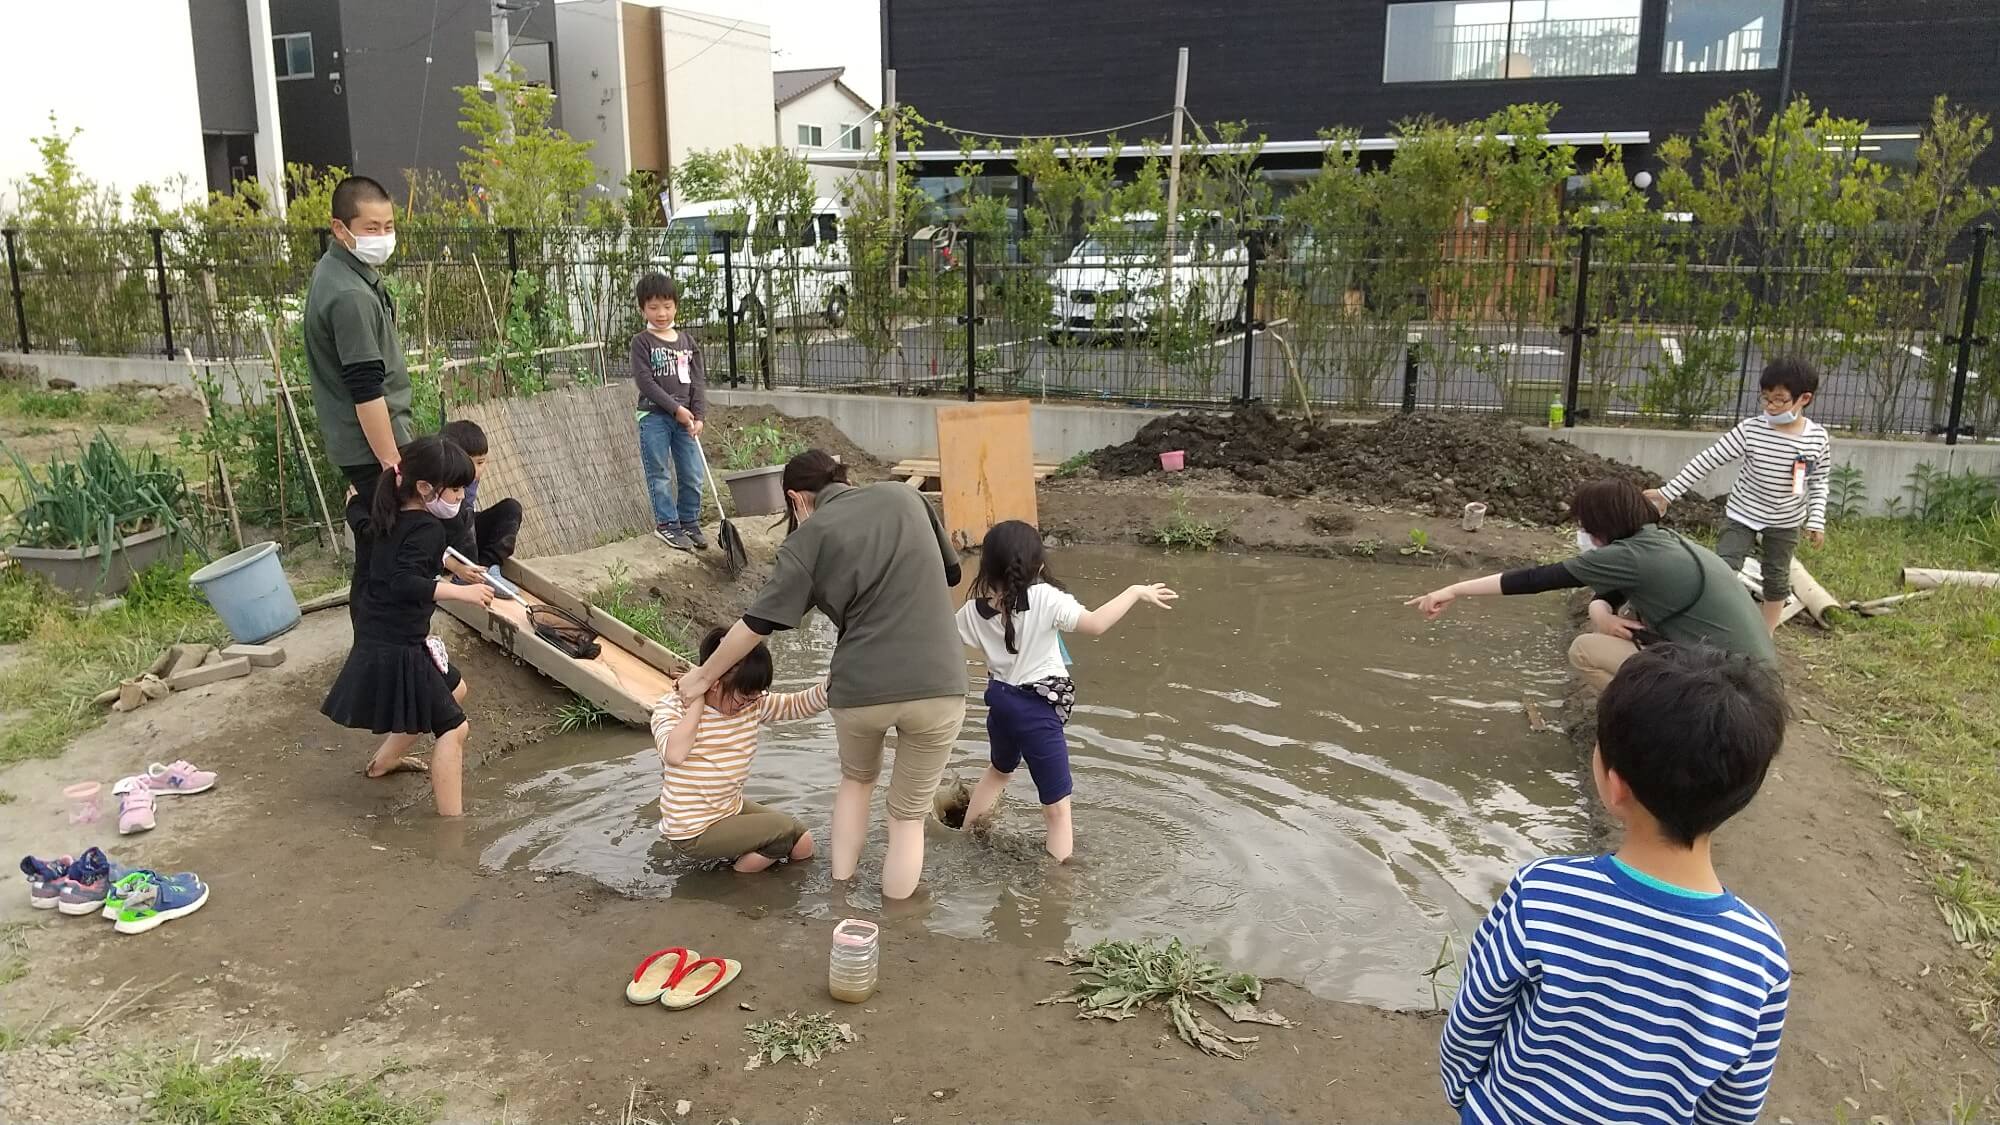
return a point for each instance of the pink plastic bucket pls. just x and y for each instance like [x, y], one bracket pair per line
[1174, 461]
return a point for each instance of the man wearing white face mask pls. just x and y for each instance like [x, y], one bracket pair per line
[361, 387]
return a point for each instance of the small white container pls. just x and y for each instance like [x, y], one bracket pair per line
[1475, 515]
[851, 968]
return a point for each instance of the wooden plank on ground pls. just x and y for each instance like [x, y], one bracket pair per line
[986, 467]
[623, 682]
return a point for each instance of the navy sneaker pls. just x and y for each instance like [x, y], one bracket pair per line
[692, 533]
[148, 904]
[46, 878]
[673, 535]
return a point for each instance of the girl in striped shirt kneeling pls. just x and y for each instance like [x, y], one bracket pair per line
[705, 751]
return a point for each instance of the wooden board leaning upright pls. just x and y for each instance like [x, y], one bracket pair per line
[986, 467]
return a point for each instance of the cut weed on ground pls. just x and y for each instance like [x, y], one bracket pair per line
[1118, 978]
[803, 1039]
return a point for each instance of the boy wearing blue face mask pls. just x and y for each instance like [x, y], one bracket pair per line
[1781, 488]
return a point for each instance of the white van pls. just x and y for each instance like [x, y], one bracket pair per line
[782, 275]
[1113, 281]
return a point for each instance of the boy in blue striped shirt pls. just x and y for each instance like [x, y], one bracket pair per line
[1633, 987]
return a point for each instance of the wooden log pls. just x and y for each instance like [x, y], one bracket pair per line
[1924, 578]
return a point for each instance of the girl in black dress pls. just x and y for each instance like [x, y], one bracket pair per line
[397, 680]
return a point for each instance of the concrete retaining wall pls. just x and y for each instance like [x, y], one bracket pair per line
[89, 372]
[894, 428]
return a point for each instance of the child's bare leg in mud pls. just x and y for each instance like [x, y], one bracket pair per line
[985, 796]
[390, 754]
[757, 861]
[1061, 834]
[447, 766]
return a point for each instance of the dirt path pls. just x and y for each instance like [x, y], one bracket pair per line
[503, 989]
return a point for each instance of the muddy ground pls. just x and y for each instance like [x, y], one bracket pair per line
[501, 990]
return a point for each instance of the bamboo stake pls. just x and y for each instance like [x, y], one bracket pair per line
[298, 431]
[221, 464]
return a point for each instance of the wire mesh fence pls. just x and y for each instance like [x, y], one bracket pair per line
[1660, 323]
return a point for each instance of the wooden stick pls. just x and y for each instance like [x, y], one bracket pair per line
[299, 432]
[1926, 579]
[1888, 602]
[221, 464]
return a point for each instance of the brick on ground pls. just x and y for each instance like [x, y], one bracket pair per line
[209, 674]
[259, 656]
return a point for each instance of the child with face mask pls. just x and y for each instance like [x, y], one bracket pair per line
[397, 680]
[1781, 489]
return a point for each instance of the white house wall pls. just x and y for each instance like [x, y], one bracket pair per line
[718, 82]
[123, 72]
[828, 107]
[590, 56]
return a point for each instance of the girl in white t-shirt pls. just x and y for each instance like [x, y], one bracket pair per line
[1014, 615]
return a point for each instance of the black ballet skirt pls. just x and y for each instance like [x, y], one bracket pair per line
[394, 689]
[391, 684]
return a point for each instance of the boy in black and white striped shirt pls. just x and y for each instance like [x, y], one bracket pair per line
[1782, 486]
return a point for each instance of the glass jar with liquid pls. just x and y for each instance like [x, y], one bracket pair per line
[851, 969]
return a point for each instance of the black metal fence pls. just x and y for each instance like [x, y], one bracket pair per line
[1667, 324]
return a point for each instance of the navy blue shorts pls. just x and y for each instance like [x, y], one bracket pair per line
[1021, 724]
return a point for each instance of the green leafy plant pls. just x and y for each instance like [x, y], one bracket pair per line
[1419, 544]
[803, 1039]
[1076, 464]
[1184, 531]
[99, 498]
[1368, 548]
[1846, 494]
[1118, 978]
[644, 613]
[579, 715]
[528, 172]
[759, 444]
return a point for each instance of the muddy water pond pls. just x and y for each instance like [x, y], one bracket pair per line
[1290, 769]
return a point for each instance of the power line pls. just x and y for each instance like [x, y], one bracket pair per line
[423, 99]
[711, 43]
[976, 134]
[426, 37]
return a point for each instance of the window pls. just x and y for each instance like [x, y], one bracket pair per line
[848, 139]
[809, 136]
[292, 55]
[1706, 35]
[1475, 40]
[829, 229]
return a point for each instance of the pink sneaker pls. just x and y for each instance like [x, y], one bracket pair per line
[135, 807]
[181, 778]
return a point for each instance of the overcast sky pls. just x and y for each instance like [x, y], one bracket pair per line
[814, 33]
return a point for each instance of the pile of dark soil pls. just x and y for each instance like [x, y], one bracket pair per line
[816, 432]
[1427, 461]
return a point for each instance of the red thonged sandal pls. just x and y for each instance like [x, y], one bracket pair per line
[656, 972]
[698, 980]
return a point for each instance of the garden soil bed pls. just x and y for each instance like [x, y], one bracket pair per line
[1436, 462]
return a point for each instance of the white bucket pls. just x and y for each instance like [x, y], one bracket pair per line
[1475, 514]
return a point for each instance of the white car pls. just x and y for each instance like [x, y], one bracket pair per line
[782, 275]
[1115, 281]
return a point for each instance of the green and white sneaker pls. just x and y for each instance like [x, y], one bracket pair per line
[114, 899]
[148, 904]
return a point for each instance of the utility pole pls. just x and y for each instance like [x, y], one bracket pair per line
[503, 45]
[1174, 176]
[890, 119]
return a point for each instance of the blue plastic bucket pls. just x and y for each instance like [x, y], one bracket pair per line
[249, 592]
